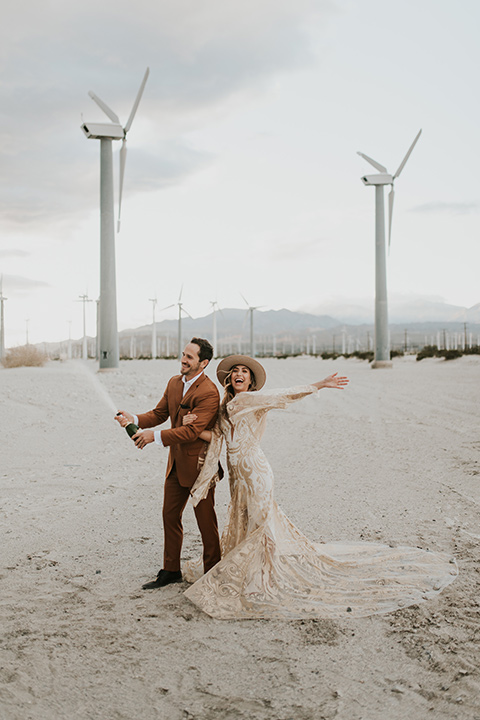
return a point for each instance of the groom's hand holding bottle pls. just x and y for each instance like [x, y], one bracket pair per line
[140, 437]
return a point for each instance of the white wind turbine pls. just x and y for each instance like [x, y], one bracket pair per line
[168, 336]
[181, 310]
[251, 309]
[106, 132]
[382, 344]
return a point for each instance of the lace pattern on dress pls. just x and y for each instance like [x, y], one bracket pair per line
[269, 569]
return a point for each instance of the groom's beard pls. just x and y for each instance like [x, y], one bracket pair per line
[192, 370]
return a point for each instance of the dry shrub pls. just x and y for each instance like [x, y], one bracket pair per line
[24, 356]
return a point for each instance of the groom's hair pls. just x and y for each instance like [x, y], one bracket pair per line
[205, 350]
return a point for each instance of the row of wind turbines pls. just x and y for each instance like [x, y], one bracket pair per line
[181, 310]
[108, 328]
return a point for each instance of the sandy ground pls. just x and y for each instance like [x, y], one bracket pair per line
[394, 458]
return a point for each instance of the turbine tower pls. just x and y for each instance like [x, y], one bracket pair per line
[215, 307]
[180, 310]
[154, 329]
[251, 309]
[382, 344]
[2, 321]
[106, 132]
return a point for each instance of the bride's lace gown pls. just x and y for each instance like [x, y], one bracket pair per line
[269, 569]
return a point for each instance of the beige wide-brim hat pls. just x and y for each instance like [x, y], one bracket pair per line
[225, 365]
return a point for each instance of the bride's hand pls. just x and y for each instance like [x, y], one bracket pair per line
[332, 381]
[189, 418]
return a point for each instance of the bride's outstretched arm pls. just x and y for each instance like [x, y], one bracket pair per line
[246, 402]
[332, 381]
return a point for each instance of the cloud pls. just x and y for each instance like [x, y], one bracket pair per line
[13, 253]
[288, 250]
[168, 165]
[204, 57]
[17, 284]
[452, 208]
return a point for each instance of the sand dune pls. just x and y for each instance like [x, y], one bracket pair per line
[394, 458]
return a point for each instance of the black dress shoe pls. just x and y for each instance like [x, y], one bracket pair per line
[164, 577]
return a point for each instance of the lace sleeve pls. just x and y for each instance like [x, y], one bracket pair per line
[208, 476]
[247, 402]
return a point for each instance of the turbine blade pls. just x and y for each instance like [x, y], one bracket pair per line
[104, 107]
[402, 164]
[245, 300]
[216, 307]
[137, 101]
[373, 162]
[168, 307]
[391, 198]
[187, 313]
[123, 159]
[180, 296]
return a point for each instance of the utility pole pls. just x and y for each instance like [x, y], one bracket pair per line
[154, 329]
[84, 299]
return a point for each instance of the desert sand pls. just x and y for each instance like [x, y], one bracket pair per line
[394, 458]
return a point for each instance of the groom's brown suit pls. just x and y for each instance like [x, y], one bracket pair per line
[202, 399]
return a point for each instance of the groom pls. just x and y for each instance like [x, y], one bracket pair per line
[190, 392]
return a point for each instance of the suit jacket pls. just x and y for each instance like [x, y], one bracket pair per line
[202, 399]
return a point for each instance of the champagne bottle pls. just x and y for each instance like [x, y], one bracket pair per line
[131, 429]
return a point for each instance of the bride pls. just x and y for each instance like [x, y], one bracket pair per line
[269, 569]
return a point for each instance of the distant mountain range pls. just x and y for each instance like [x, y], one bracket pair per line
[401, 310]
[284, 331]
[350, 326]
[422, 316]
[233, 322]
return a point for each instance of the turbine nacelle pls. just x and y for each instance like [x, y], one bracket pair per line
[383, 177]
[114, 131]
[378, 179]
[103, 131]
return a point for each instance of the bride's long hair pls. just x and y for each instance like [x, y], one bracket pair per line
[230, 392]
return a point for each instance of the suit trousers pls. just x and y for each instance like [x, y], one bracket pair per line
[175, 498]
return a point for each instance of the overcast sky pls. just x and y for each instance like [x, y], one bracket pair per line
[242, 174]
